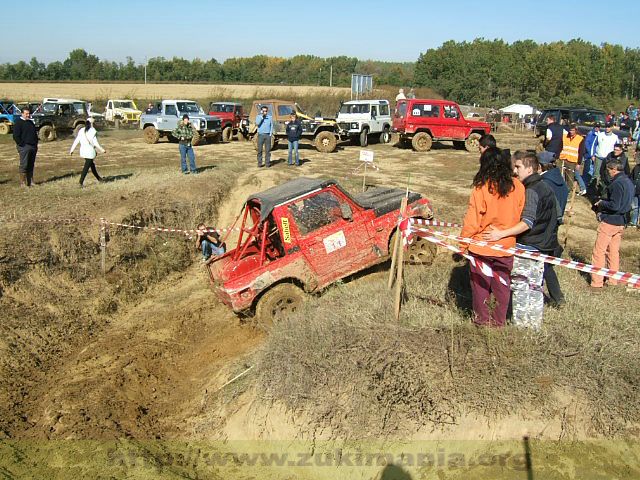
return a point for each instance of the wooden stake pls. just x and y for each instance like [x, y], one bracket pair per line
[103, 246]
[364, 178]
[400, 261]
[392, 270]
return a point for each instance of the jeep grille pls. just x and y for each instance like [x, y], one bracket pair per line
[213, 124]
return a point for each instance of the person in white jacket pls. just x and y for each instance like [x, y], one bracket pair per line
[88, 139]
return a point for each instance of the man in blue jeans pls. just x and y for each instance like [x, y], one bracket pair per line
[294, 132]
[209, 242]
[264, 122]
[184, 133]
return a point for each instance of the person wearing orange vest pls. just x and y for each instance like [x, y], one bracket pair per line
[571, 156]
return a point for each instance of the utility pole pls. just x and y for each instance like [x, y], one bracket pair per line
[145, 70]
[331, 77]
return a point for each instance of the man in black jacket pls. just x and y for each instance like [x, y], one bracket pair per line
[553, 138]
[612, 214]
[26, 137]
[536, 231]
[294, 133]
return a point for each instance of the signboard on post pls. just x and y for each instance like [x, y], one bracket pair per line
[360, 84]
[366, 156]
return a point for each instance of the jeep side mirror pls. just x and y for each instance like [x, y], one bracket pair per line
[345, 212]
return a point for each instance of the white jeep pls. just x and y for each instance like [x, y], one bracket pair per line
[360, 119]
[122, 113]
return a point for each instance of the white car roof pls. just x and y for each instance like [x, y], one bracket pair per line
[62, 100]
[365, 102]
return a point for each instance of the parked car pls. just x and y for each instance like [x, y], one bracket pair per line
[420, 122]
[9, 113]
[305, 234]
[57, 115]
[323, 133]
[359, 120]
[169, 112]
[584, 117]
[231, 115]
[122, 113]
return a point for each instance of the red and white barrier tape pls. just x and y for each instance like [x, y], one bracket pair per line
[434, 223]
[630, 278]
[170, 230]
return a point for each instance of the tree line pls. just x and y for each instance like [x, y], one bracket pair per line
[496, 73]
[299, 70]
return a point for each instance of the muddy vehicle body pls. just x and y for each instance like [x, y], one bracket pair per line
[231, 115]
[62, 115]
[360, 120]
[323, 133]
[122, 113]
[168, 113]
[305, 234]
[420, 122]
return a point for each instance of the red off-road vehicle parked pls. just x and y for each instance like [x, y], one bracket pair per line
[304, 235]
[231, 114]
[422, 122]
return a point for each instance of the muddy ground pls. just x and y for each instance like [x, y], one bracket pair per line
[138, 353]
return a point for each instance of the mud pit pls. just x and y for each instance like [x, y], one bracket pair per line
[133, 361]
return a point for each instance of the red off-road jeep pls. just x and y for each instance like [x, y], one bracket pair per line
[304, 235]
[422, 122]
[231, 114]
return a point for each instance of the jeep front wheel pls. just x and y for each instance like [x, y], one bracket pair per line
[472, 143]
[196, 139]
[277, 303]
[47, 133]
[5, 128]
[422, 142]
[385, 136]
[326, 142]
[151, 134]
[227, 134]
[364, 138]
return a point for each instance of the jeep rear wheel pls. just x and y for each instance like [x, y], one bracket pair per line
[254, 139]
[77, 128]
[472, 143]
[385, 136]
[227, 134]
[326, 142]
[151, 135]
[47, 133]
[364, 138]
[422, 142]
[278, 303]
[4, 128]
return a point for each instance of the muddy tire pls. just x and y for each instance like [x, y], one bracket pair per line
[196, 139]
[459, 145]
[364, 138]
[5, 128]
[326, 142]
[472, 143]
[421, 142]
[151, 134]
[277, 303]
[47, 133]
[540, 145]
[421, 251]
[77, 128]
[385, 136]
[227, 134]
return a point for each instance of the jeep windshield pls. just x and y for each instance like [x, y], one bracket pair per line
[355, 108]
[588, 118]
[189, 107]
[222, 108]
[49, 107]
[124, 105]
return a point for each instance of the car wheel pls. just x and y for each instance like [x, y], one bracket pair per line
[5, 128]
[47, 133]
[277, 303]
[364, 138]
[472, 143]
[227, 134]
[422, 142]
[385, 136]
[420, 252]
[326, 142]
[77, 129]
[151, 134]
[196, 139]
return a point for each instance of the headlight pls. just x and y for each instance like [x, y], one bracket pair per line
[355, 125]
[202, 123]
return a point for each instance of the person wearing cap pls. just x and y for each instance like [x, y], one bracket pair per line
[618, 153]
[606, 142]
[184, 133]
[551, 175]
[590, 145]
[612, 214]
[571, 156]
[537, 230]
[294, 133]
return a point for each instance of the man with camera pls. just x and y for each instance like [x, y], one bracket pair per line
[209, 242]
[184, 133]
[612, 213]
[266, 130]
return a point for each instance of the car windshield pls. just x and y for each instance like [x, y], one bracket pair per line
[286, 110]
[49, 107]
[588, 118]
[79, 107]
[127, 104]
[222, 108]
[355, 108]
[189, 107]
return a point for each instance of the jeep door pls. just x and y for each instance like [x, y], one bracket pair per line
[283, 115]
[375, 123]
[334, 246]
[399, 115]
[452, 127]
[169, 118]
[426, 115]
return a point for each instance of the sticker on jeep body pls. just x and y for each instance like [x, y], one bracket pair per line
[335, 242]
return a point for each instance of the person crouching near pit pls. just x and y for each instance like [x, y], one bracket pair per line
[209, 242]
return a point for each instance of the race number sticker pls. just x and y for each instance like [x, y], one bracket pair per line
[335, 242]
[286, 231]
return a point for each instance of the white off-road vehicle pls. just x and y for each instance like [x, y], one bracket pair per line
[122, 113]
[361, 119]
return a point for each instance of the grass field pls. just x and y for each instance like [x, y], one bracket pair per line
[134, 360]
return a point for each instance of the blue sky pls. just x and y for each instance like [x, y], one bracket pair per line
[379, 30]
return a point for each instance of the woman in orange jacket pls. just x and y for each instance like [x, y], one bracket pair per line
[496, 201]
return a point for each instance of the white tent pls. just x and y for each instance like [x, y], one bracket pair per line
[520, 109]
